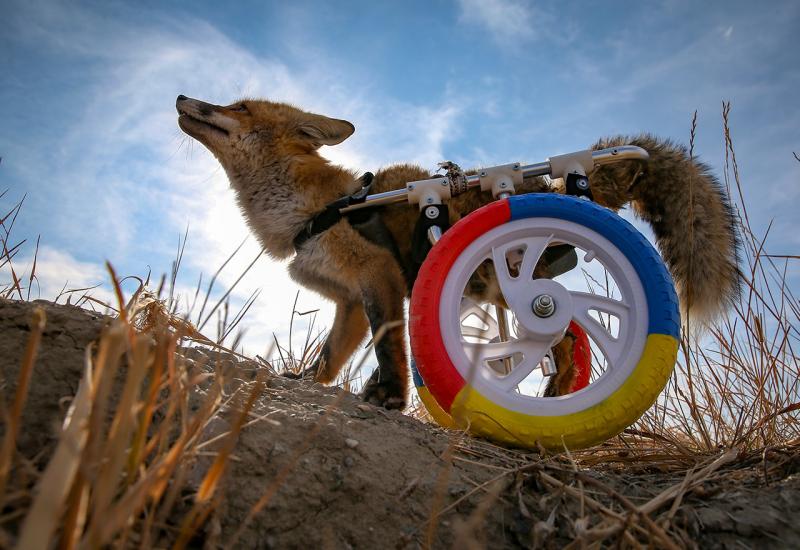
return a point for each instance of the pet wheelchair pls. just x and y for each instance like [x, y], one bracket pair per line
[482, 367]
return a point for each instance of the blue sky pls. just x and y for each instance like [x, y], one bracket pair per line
[89, 130]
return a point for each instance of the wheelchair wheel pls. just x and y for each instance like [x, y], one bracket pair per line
[622, 298]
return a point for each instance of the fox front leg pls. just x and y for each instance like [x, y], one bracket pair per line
[348, 331]
[343, 266]
[349, 324]
[383, 292]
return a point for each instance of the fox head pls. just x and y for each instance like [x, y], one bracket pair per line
[243, 134]
[269, 152]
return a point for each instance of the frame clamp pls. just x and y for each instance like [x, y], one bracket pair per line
[500, 180]
[428, 192]
[572, 168]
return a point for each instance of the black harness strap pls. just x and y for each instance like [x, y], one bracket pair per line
[559, 258]
[331, 215]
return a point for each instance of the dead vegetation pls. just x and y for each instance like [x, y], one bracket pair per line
[159, 445]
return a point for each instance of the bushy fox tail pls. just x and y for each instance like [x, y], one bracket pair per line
[690, 214]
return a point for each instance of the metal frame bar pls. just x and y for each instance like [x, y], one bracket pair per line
[600, 157]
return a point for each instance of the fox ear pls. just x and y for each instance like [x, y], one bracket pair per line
[322, 130]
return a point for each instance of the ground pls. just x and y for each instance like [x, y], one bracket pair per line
[314, 467]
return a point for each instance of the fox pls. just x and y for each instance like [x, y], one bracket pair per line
[270, 153]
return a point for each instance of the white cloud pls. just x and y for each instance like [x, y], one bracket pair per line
[508, 21]
[133, 176]
[57, 273]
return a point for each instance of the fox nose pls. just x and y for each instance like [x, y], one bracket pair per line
[182, 97]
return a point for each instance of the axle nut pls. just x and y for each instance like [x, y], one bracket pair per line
[543, 305]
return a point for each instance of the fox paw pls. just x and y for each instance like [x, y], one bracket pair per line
[388, 394]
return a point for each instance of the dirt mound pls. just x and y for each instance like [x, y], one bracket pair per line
[315, 467]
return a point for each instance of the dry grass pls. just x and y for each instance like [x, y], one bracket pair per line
[737, 385]
[140, 412]
[119, 469]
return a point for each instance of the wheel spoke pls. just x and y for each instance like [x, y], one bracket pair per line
[511, 286]
[519, 373]
[470, 308]
[583, 302]
[480, 351]
[532, 353]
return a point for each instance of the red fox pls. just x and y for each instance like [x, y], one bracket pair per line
[270, 153]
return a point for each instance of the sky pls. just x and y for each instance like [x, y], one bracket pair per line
[89, 134]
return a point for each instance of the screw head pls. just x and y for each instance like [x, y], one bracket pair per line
[483, 174]
[431, 212]
[444, 183]
[411, 187]
[503, 184]
[583, 184]
[429, 200]
[543, 306]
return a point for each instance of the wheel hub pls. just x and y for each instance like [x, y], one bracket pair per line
[543, 308]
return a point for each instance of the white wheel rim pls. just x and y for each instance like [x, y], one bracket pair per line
[537, 335]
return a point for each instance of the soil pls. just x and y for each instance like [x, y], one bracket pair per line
[349, 475]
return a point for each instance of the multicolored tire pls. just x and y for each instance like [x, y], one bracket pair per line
[577, 420]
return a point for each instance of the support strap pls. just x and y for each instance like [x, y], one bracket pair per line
[329, 217]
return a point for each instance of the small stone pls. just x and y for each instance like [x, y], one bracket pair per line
[352, 443]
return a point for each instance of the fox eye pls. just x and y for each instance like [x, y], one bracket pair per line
[241, 107]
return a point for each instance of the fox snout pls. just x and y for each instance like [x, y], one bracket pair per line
[187, 105]
[210, 124]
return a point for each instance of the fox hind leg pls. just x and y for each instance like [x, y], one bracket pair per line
[566, 370]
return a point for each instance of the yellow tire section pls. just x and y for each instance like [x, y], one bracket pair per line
[437, 412]
[585, 428]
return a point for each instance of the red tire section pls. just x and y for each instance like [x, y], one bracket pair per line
[582, 356]
[423, 319]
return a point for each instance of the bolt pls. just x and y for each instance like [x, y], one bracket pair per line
[583, 184]
[444, 183]
[503, 184]
[483, 174]
[429, 200]
[431, 212]
[543, 305]
[548, 366]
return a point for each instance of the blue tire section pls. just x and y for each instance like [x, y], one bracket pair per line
[662, 301]
[418, 381]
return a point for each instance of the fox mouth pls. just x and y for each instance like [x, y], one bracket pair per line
[193, 118]
[193, 124]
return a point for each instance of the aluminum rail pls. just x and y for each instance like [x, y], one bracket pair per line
[600, 157]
